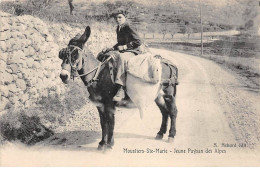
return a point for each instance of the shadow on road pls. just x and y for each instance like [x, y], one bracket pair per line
[76, 140]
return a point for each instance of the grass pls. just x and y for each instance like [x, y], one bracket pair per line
[36, 123]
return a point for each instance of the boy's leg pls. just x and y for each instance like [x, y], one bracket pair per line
[121, 76]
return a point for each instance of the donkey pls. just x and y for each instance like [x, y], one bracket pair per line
[96, 76]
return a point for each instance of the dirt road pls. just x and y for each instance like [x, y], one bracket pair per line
[217, 125]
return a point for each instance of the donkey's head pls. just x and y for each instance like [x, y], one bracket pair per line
[72, 55]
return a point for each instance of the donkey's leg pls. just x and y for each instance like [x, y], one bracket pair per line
[110, 113]
[172, 109]
[104, 127]
[161, 104]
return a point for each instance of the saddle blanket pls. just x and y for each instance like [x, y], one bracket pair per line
[145, 66]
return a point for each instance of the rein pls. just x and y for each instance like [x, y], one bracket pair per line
[74, 69]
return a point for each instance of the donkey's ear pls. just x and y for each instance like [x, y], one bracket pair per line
[85, 35]
[62, 53]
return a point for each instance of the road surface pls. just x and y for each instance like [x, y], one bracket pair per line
[217, 125]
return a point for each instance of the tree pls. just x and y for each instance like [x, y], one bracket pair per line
[173, 29]
[152, 28]
[40, 3]
[143, 27]
[71, 6]
[163, 30]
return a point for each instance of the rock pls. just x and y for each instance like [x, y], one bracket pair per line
[30, 25]
[58, 90]
[9, 70]
[32, 91]
[3, 46]
[45, 47]
[21, 84]
[27, 34]
[52, 76]
[33, 81]
[4, 26]
[20, 75]
[27, 104]
[4, 91]
[15, 77]
[6, 78]
[19, 45]
[13, 58]
[49, 38]
[47, 64]
[21, 36]
[10, 43]
[36, 46]
[24, 97]
[55, 47]
[39, 81]
[18, 55]
[14, 34]
[14, 99]
[29, 51]
[18, 27]
[27, 43]
[30, 62]
[23, 64]
[2, 66]
[3, 56]
[12, 88]
[36, 65]
[4, 104]
[5, 35]
[49, 74]
[40, 74]
[36, 37]
[14, 68]
[44, 92]
[27, 73]
[42, 30]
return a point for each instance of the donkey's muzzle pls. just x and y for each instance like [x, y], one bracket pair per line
[65, 76]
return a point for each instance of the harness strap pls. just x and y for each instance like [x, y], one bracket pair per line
[110, 65]
[173, 78]
[75, 47]
[97, 72]
[98, 68]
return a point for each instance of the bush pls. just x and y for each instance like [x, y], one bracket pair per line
[26, 129]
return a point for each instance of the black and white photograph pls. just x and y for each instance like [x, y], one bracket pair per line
[130, 83]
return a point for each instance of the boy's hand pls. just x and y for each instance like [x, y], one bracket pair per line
[105, 50]
[122, 47]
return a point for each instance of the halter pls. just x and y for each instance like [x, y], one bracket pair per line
[74, 67]
[68, 57]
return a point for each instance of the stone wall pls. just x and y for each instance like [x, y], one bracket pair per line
[29, 63]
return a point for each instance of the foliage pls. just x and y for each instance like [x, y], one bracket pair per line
[231, 14]
[38, 4]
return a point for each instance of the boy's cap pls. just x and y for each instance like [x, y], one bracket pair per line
[119, 11]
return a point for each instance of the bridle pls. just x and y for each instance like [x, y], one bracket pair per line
[74, 68]
[68, 57]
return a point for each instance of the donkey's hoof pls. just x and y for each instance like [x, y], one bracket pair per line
[109, 147]
[101, 147]
[170, 139]
[159, 137]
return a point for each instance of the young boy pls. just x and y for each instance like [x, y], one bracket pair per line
[127, 37]
[128, 44]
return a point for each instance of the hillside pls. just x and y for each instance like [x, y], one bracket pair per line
[180, 16]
